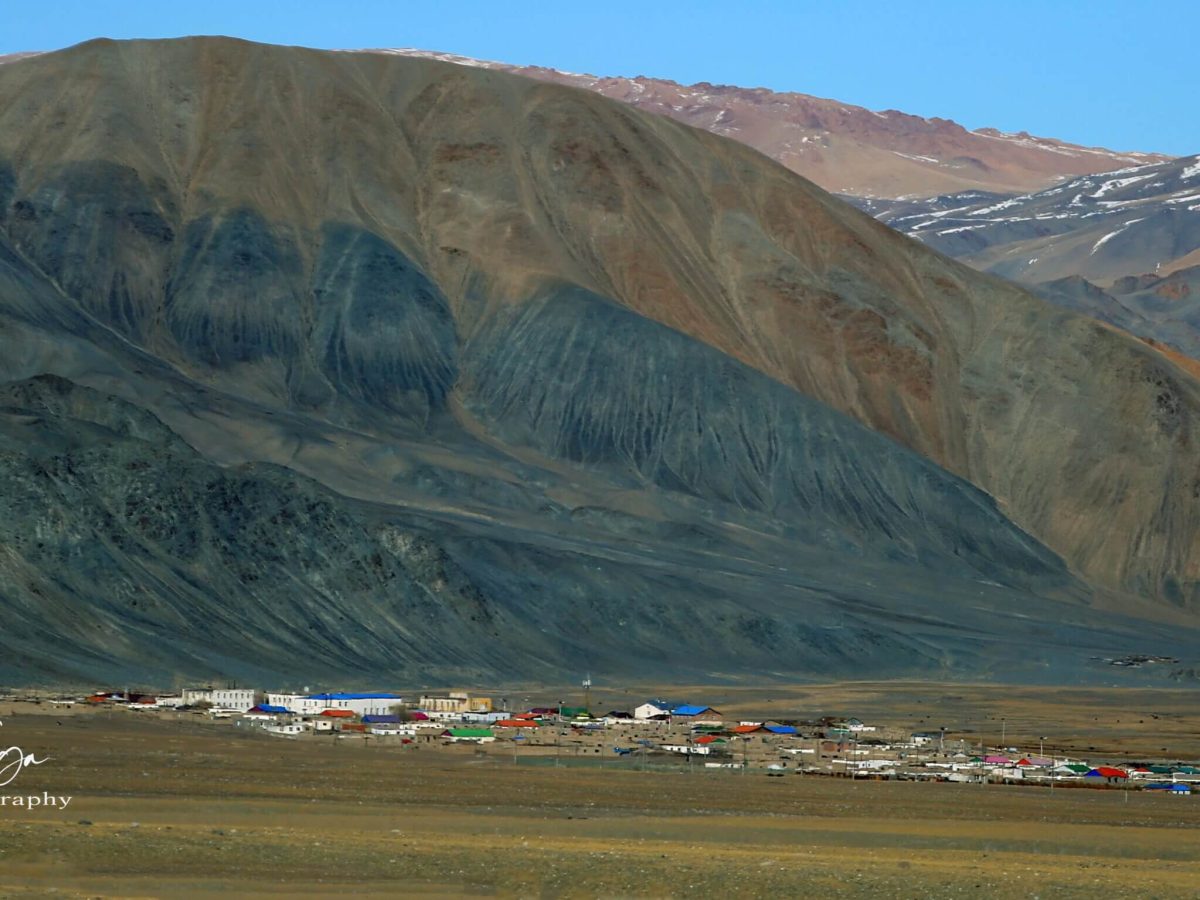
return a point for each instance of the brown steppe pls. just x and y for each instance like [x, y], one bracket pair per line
[184, 807]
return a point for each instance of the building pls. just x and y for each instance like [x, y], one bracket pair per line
[852, 725]
[1107, 775]
[469, 735]
[264, 712]
[291, 701]
[1070, 770]
[652, 709]
[388, 725]
[697, 715]
[361, 704]
[455, 702]
[688, 749]
[239, 699]
[1175, 788]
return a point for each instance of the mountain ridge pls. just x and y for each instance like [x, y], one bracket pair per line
[845, 148]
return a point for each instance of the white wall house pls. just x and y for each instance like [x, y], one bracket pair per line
[652, 708]
[694, 750]
[287, 701]
[372, 704]
[240, 699]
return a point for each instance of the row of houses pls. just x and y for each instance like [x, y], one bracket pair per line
[833, 746]
[306, 704]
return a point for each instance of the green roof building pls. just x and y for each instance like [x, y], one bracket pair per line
[469, 734]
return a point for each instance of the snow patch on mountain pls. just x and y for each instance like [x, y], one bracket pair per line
[1112, 234]
[1118, 183]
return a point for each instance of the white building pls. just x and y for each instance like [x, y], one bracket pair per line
[364, 704]
[692, 749]
[239, 699]
[287, 701]
[652, 708]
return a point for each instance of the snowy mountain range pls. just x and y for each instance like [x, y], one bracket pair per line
[1134, 220]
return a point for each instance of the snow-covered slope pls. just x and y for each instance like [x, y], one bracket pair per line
[1129, 221]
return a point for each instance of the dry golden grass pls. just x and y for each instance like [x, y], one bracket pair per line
[191, 809]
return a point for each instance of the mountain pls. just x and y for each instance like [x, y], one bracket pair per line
[1123, 246]
[911, 172]
[361, 365]
[844, 148]
[1143, 219]
[1161, 309]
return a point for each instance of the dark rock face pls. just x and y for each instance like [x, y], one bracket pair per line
[127, 555]
[233, 293]
[530, 380]
[384, 332]
[687, 418]
[99, 233]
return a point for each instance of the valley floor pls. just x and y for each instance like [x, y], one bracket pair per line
[180, 809]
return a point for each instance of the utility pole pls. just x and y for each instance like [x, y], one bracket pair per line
[587, 693]
[558, 736]
[1003, 735]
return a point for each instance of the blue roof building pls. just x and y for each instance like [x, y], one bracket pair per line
[691, 712]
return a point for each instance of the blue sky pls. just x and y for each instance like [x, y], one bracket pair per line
[1116, 74]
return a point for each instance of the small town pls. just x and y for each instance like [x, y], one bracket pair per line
[656, 734]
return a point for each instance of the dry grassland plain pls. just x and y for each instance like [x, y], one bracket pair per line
[194, 809]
